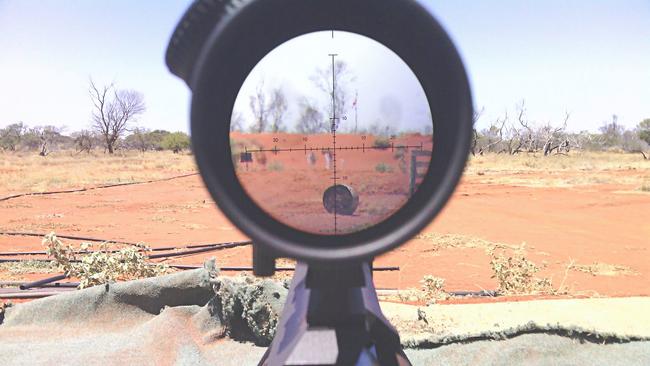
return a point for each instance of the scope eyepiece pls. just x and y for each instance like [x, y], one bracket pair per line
[375, 201]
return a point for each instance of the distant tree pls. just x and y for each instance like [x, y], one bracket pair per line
[139, 139]
[84, 140]
[113, 111]
[379, 128]
[156, 138]
[259, 109]
[335, 82]
[41, 138]
[643, 130]
[311, 120]
[176, 141]
[631, 142]
[11, 136]
[277, 109]
[475, 118]
[612, 133]
[236, 122]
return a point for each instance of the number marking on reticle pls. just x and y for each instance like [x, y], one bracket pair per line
[246, 156]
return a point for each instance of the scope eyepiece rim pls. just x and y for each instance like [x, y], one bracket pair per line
[247, 32]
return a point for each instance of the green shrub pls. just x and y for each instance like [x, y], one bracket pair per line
[104, 265]
[381, 143]
[177, 142]
[275, 166]
[383, 168]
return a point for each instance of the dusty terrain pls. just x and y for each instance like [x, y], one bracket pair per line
[290, 186]
[590, 210]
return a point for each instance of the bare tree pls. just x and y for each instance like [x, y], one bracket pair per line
[277, 109]
[311, 119]
[259, 108]
[113, 111]
[335, 81]
[612, 132]
[555, 138]
[475, 117]
[525, 136]
[494, 134]
[46, 136]
[84, 140]
[236, 122]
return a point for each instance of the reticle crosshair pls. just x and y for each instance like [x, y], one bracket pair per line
[331, 132]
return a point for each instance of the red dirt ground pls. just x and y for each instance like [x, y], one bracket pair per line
[290, 188]
[584, 224]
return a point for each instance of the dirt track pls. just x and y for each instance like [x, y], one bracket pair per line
[606, 223]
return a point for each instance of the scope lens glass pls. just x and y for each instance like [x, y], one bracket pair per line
[331, 133]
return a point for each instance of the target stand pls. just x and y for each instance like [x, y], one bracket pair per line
[332, 317]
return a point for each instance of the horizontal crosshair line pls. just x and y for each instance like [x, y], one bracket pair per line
[349, 148]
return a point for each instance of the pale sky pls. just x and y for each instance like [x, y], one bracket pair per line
[387, 90]
[589, 57]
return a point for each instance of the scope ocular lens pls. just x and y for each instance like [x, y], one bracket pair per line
[331, 133]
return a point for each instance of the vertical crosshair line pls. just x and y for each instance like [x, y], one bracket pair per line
[333, 127]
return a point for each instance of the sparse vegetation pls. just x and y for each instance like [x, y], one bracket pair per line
[431, 291]
[28, 266]
[444, 241]
[275, 166]
[400, 155]
[516, 274]
[383, 168]
[102, 265]
[381, 143]
[645, 187]
[23, 172]
[603, 269]
[574, 169]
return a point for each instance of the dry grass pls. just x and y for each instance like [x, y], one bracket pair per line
[575, 169]
[604, 269]
[28, 267]
[28, 172]
[444, 241]
[580, 161]
[515, 274]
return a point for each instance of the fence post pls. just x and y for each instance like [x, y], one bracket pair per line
[414, 173]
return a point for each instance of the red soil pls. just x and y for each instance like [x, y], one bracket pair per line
[585, 224]
[289, 187]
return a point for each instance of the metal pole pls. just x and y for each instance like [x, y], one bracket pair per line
[43, 282]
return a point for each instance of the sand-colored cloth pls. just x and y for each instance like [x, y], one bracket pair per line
[608, 320]
[190, 318]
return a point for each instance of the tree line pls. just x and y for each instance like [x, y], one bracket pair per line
[516, 134]
[45, 139]
[112, 127]
[269, 107]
